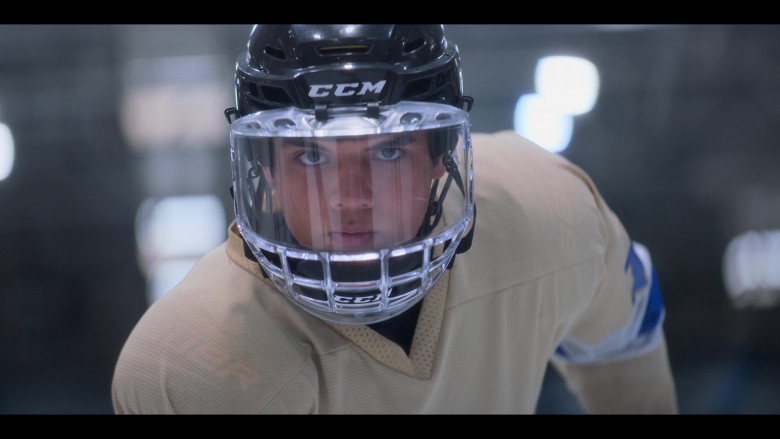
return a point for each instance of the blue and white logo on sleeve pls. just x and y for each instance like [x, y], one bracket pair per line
[641, 334]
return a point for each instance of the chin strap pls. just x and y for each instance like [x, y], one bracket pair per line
[465, 242]
[434, 205]
[435, 208]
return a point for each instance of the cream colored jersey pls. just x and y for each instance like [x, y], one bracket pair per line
[551, 276]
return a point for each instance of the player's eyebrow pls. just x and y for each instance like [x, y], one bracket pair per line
[299, 143]
[399, 140]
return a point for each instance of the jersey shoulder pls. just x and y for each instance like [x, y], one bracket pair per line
[537, 212]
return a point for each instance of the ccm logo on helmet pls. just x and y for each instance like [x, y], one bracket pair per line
[357, 300]
[346, 89]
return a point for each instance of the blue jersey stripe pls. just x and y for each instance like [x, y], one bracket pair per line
[641, 333]
[637, 270]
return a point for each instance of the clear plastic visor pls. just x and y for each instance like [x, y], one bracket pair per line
[351, 182]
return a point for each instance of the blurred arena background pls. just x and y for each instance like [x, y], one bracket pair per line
[111, 134]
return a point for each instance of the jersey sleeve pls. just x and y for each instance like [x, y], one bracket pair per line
[614, 357]
[641, 332]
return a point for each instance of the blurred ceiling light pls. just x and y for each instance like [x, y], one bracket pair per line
[566, 86]
[570, 84]
[172, 234]
[6, 151]
[751, 269]
[541, 122]
[175, 102]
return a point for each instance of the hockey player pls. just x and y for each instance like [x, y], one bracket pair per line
[357, 277]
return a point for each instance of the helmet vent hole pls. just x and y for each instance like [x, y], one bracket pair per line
[413, 45]
[417, 88]
[441, 79]
[276, 95]
[274, 52]
[344, 50]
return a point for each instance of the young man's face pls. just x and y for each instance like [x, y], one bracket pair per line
[354, 193]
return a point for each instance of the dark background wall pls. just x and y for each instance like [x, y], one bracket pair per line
[682, 143]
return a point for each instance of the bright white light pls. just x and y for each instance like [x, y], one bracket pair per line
[172, 233]
[6, 151]
[570, 84]
[541, 122]
[173, 116]
[751, 269]
[169, 102]
[180, 226]
[566, 86]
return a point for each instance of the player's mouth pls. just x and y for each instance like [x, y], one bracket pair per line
[353, 239]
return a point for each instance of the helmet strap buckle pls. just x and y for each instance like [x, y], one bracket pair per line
[321, 110]
[468, 101]
[231, 114]
[372, 109]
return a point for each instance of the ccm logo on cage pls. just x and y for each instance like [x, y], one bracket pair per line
[357, 300]
[346, 89]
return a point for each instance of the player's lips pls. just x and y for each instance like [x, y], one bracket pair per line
[353, 238]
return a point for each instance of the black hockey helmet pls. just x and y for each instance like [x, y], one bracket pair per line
[323, 66]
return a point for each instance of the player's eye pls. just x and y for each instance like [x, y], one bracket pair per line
[311, 157]
[388, 153]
